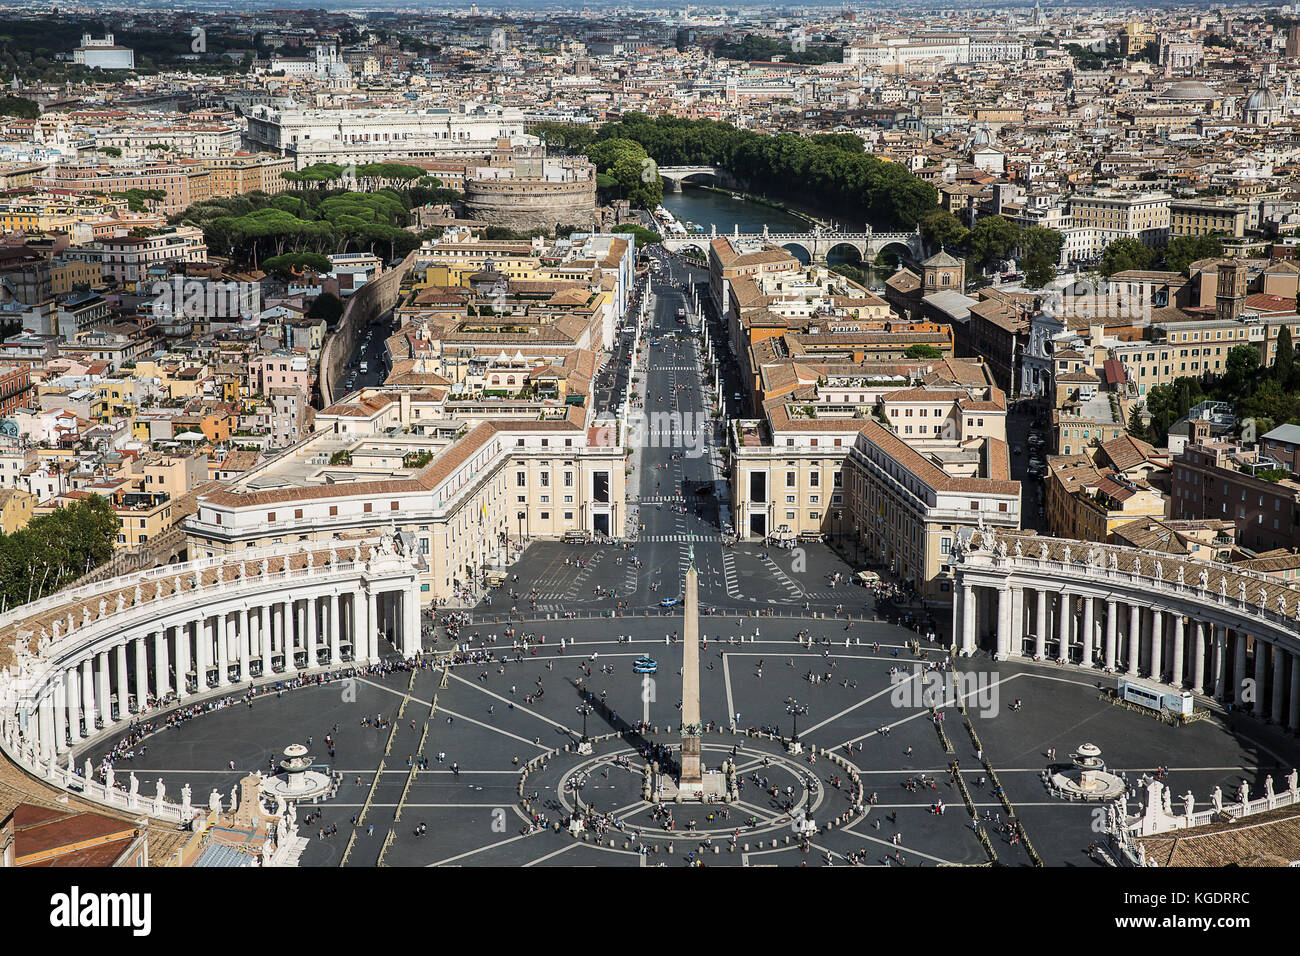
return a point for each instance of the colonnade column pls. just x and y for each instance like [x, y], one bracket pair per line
[203, 649]
[1040, 626]
[1004, 620]
[1279, 675]
[1239, 668]
[1176, 665]
[372, 622]
[1111, 610]
[141, 674]
[1293, 716]
[162, 680]
[1134, 639]
[88, 693]
[73, 704]
[264, 616]
[1086, 657]
[967, 619]
[105, 690]
[1064, 610]
[60, 717]
[288, 622]
[1198, 659]
[1157, 629]
[335, 604]
[1220, 663]
[311, 632]
[123, 688]
[1261, 677]
[183, 657]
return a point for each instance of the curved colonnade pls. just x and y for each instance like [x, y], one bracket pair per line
[1192, 625]
[81, 664]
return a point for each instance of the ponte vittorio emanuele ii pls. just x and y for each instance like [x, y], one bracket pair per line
[76, 667]
[1193, 625]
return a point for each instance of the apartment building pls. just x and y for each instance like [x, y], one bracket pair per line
[1098, 219]
[465, 492]
[1234, 482]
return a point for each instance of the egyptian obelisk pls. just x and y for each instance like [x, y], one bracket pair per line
[692, 778]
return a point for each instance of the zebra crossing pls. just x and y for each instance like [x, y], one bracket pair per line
[729, 574]
[782, 578]
[680, 538]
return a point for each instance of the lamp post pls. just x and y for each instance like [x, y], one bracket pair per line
[794, 709]
[520, 516]
[584, 745]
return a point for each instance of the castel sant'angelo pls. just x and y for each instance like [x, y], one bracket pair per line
[523, 188]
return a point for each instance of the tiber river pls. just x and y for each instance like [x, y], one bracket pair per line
[708, 207]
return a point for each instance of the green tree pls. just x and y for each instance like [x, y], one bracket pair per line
[1040, 253]
[1124, 254]
[1184, 250]
[295, 264]
[20, 107]
[1240, 368]
[643, 236]
[993, 239]
[1284, 362]
[326, 306]
[922, 351]
[1137, 426]
[941, 229]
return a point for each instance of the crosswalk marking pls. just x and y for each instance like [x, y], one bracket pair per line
[681, 538]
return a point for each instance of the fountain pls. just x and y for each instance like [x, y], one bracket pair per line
[1086, 778]
[297, 781]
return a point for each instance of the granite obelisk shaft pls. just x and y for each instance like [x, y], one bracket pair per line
[692, 774]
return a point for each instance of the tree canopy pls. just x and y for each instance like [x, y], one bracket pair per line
[55, 549]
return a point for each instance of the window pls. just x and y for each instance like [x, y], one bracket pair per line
[334, 510]
[546, 479]
[270, 517]
[392, 506]
[297, 512]
[366, 507]
[789, 479]
[814, 479]
[521, 479]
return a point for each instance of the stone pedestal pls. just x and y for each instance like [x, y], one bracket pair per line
[794, 747]
[584, 747]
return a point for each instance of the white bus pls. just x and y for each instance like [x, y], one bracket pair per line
[1155, 697]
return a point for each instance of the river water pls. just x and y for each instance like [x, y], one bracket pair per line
[709, 207]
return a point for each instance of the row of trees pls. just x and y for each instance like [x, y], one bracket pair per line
[754, 47]
[54, 550]
[1264, 397]
[1176, 255]
[256, 226]
[830, 171]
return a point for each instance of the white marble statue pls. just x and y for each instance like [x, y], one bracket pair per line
[1268, 787]
[1216, 798]
[266, 567]
[1137, 565]
[1223, 587]
[1263, 598]
[121, 602]
[1114, 561]
[1243, 792]
[1019, 551]
[1067, 556]
[1204, 579]
[1241, 591]
[234, 799]
[1160, 571]
[135, 786]
[1042, 550]
[1180, 575]
[1165, 801]
[90, 770]
[139, 595]
[1002, 549]
[1189, 803]
[85, 615]
[1291, 781]
[185, 802]
[110, 778]
[214, 802]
